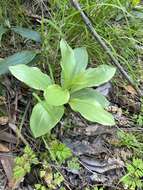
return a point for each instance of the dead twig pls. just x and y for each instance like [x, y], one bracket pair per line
[18, 133]
[98, 38]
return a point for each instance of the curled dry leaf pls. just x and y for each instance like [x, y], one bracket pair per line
[3, 120]
[102, 167]
[7, 137]
[3, 148]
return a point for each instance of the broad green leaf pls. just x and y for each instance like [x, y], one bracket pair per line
[73, 62]
[92, 111]
[91, 95]
[32, 76]
[2, 31]
[68, 62]
[23, 57]
[93, 77]
[81, 57]
[44, 117]
[56, 96]
[27, 33]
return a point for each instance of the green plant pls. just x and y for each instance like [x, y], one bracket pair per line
[75, 89]
[134, 174]
[130, 141]
[24, 32]
[94, 188]
[14, 11]
[23, 164]
[73, 164]
[23, 57]
[98, 188]
[60, 151]
[58, 179]
[40, 187]
[135, 2]
[113, 20]
[139, 118]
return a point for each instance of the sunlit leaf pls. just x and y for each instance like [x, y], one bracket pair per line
[92, 111]
[73, 62]
[44, 117]
[32, 76]
[81, 58]
[55, 95]
[68, 62]
[93, 77]
[27, 33]
[23, 57]
[91, 95]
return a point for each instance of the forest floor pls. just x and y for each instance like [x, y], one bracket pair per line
[78, 155]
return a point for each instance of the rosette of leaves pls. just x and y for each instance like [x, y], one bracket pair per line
[76, 90]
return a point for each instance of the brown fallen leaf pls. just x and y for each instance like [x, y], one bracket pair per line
[3, 148]
[130, 89]
[47, 175]
[7, 137]
[14, 184]
[3, 120]
[2, 100]
[7, 163]
[102, 167]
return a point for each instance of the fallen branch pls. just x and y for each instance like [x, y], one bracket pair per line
[98, 38]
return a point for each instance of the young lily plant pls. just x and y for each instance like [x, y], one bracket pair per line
[76, 90]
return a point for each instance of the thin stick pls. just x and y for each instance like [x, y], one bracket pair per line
[18, 133]
[98, 38]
